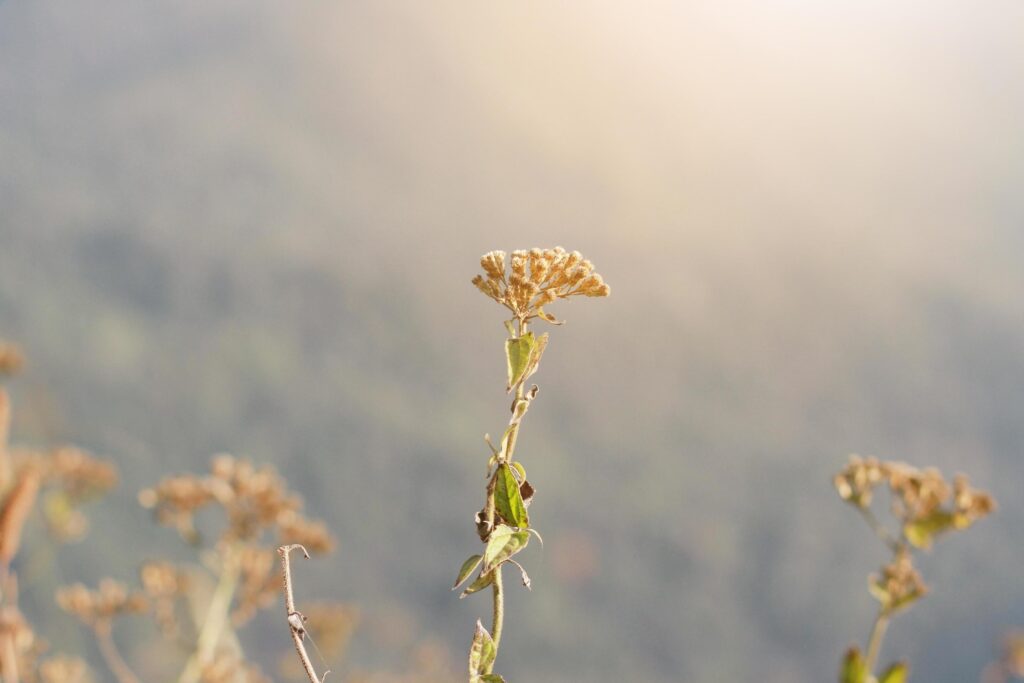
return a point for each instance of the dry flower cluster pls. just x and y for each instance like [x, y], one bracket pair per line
[254, 500]
[1011, 661]
[537, 278]
[110, 600]
[924, 506]
[258, 511]
[924, 502]
[197, 607]
[58, 482]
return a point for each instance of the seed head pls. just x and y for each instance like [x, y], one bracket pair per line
[536, 278]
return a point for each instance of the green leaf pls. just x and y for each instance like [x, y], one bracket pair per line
[853, 669]
[518, 352]
[481, 652]
[467, 568]
[507, 498]
[897, 673]
[503, 544]
[491, 678]
[482, 581]
[921, 532]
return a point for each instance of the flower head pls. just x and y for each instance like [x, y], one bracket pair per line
[536, 278]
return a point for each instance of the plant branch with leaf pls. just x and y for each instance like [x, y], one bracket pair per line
[533, 280]
[924, 506]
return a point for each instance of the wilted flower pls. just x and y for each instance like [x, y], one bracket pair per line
[536, 278]
[111, 599]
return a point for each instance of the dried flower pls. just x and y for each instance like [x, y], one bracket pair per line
[260, 583]
[111, 599]
[898, 584]
[314, 536]
[164, 584]
[536, 278]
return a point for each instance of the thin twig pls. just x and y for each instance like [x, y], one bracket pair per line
[296, 619]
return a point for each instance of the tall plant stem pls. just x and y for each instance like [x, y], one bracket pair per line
[498, 586]
[875, 641]
[115, 662]
[216, 618]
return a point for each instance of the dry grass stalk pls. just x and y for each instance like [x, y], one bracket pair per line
[296, 620]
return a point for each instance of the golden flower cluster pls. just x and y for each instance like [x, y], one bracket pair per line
[259, 583]
[255, 499]
[111, 599]
[70, 477]
[922, 499]
[175, 500]
[536, 278]
[969, 504]
[81, 475]
[898, 584]
[164, 584]
[11, 358]
[858, 479]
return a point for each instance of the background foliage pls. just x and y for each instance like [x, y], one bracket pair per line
[250, 226]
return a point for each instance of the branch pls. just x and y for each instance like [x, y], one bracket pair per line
[216, 619]
[296, 620]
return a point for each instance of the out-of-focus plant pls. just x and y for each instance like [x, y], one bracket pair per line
[532, 280]
[1010, 665]
[923, 507]
[55, 483]
[256, 512]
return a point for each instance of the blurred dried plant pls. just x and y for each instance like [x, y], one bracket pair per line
[256, 512]
[1010, 664]
[924, 507]
[55, 483]
[532, 280]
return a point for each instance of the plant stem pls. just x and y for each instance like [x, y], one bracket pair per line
[216, 618]
[115, 662]
[875, 641]
[498, 586]
[295, 619]
[498, 591]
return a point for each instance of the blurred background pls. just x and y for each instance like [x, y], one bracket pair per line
[250, 226]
